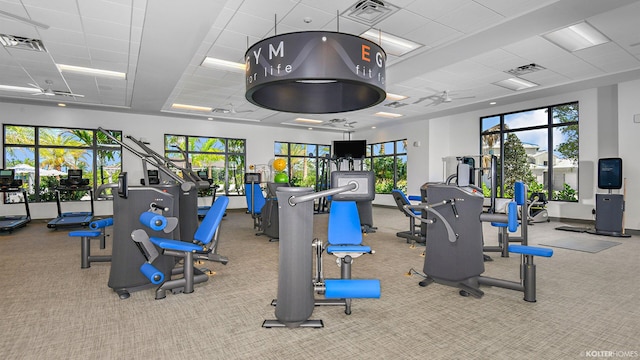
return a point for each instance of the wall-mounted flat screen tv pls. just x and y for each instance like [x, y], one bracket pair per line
[354, 149]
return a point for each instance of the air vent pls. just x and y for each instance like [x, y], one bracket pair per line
[525, 69]
[18, 42]
[370, 12]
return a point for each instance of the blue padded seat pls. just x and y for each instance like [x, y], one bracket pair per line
[87, 233]
[204, 234]
[344, 233]
[258, 198]
[348, 248]
[405, 200]
[531, 250]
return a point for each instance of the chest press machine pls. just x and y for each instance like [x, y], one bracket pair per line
[454, 241]
[296, 292]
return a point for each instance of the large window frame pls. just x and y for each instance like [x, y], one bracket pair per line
[224, 159]
[555, 173]
[46, 153]
[389, 162]
[307, 164]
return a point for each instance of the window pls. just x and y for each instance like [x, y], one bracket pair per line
[43, 155]
[307, 164]
[388, 160]
[223, 159]
[539, 147]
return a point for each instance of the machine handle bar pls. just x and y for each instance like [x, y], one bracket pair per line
[293, 200]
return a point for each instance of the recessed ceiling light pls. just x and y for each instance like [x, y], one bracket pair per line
[312, 121]
[91, 71]
[492, 103]
[62, 105]
[310, 128]
[223, 64]
[191, 107]
[18, 89]
[515, 84]
[395, 97]
[387, 114]
[577, 37]
[209, 118]
[373, 127]
[392, 45]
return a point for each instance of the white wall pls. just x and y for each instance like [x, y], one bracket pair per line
[629, 148]
[260, 141]
[459, 135]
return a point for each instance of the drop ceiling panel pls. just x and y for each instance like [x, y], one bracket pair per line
[620, 24]
[609, 57]
[401, 22]
[56, 19]
[512, 7]
[65, 6]
[107, 29]
[63, 37]
[105, 11]
[266, 9]
[434, 9]
[250, 25]
[295, 18]
[431, 34]
[470, 17]
[501, 60]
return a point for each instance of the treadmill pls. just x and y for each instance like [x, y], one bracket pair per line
[73, 183]
[8, 184]
[202, 210]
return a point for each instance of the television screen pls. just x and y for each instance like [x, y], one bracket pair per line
[355, 149]
[75, 173]
[610, 173]
[7, 173]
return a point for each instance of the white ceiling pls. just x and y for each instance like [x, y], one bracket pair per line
[159, 44]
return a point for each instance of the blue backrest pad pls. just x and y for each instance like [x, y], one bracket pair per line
[211, 221]
[344, 224]
[258, 197]
[520, 195]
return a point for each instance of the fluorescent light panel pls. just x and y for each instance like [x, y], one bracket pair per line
[191, 107]
[223, 64]
[395, 97]
[516, 84]
[91, 71]
[577, 37]
[392, 45]
[388, 114]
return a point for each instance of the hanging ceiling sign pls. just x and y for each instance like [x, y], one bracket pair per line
[315, 72]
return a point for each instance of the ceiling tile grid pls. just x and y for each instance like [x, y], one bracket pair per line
[468, 45]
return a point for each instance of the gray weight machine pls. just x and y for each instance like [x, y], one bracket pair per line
[454, 255]
[296, 289]
[176, 198]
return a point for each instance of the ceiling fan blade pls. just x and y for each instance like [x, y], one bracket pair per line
[24, 20]
[464, 97]
[60, 93]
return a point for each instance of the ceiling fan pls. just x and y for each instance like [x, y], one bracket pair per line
[230, 110]
[442, 97]
[343, 121]
[48, 91]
